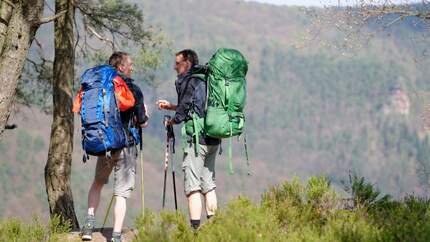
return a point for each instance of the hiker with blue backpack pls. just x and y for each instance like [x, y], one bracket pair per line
[211, 101]
[112, 111]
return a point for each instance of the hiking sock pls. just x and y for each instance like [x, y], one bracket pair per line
[195, 223]
[116, 236]
[209, 216]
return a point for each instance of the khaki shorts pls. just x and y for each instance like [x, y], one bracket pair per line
[124, 162]
[199, 171]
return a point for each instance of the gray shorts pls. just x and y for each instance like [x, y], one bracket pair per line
[199, 171]
[124, 162]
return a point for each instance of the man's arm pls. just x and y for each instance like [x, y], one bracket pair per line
[166, 105]
[139, 108]
[185, 102]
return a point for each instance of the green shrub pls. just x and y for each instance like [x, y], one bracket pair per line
[239, 221]
[15, 230]
[167, 227]
[295, 205]
[404, 221]
[366, 195]
[285, 201]
[242, 221]
[349, 226]
[288, 212]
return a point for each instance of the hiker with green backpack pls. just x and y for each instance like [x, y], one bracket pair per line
[210, 103]
[199, 170]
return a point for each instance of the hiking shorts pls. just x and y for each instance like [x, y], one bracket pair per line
[124, 165]
[199, 171]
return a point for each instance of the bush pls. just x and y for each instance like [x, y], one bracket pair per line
[239, 221]
[167, 227]
[295, 205]
[15, 230]
[242, 221]
[289, 212]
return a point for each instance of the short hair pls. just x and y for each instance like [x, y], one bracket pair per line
[189, 55]
[117, 58]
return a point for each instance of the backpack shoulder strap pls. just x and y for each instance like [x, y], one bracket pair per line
[199, 76]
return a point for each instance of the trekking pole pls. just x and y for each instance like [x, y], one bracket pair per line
[166, 160]
[107, 213]
[171, 136]
[141, 173]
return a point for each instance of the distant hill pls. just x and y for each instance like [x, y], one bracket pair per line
[311, 110]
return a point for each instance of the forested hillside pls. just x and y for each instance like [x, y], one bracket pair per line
[319, 109]
[311, 110]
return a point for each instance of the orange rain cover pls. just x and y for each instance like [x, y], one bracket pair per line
[77, 102]
[123, 94]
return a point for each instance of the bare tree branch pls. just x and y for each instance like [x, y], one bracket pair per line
[35, 65]
[38, 43]
[51, 18]
[100, 37]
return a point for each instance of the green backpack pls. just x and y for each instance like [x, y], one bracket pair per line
[226, 97]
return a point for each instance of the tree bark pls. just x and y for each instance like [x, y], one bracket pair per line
[58, 165]
[19, 25]
[5, 14]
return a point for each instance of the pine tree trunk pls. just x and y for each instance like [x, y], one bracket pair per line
[58, 166]
[5, 13]
[19, 23]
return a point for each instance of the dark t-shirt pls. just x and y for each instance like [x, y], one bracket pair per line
[192, 96]
[138, 111]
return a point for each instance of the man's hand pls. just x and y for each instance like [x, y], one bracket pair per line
[163, 104]
[166, 105]
[169, 122]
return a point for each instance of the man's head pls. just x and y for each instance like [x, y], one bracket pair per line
[122, 63]
[185, 59]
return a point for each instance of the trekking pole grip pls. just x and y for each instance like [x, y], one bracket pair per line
[169, 128]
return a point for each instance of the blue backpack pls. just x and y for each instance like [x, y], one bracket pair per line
[102, 129]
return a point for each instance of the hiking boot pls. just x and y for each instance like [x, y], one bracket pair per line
[87, 230]
[116, 237]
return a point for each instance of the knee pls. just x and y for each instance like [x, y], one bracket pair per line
[123, 194]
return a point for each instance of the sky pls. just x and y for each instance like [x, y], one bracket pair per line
[320, 2]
